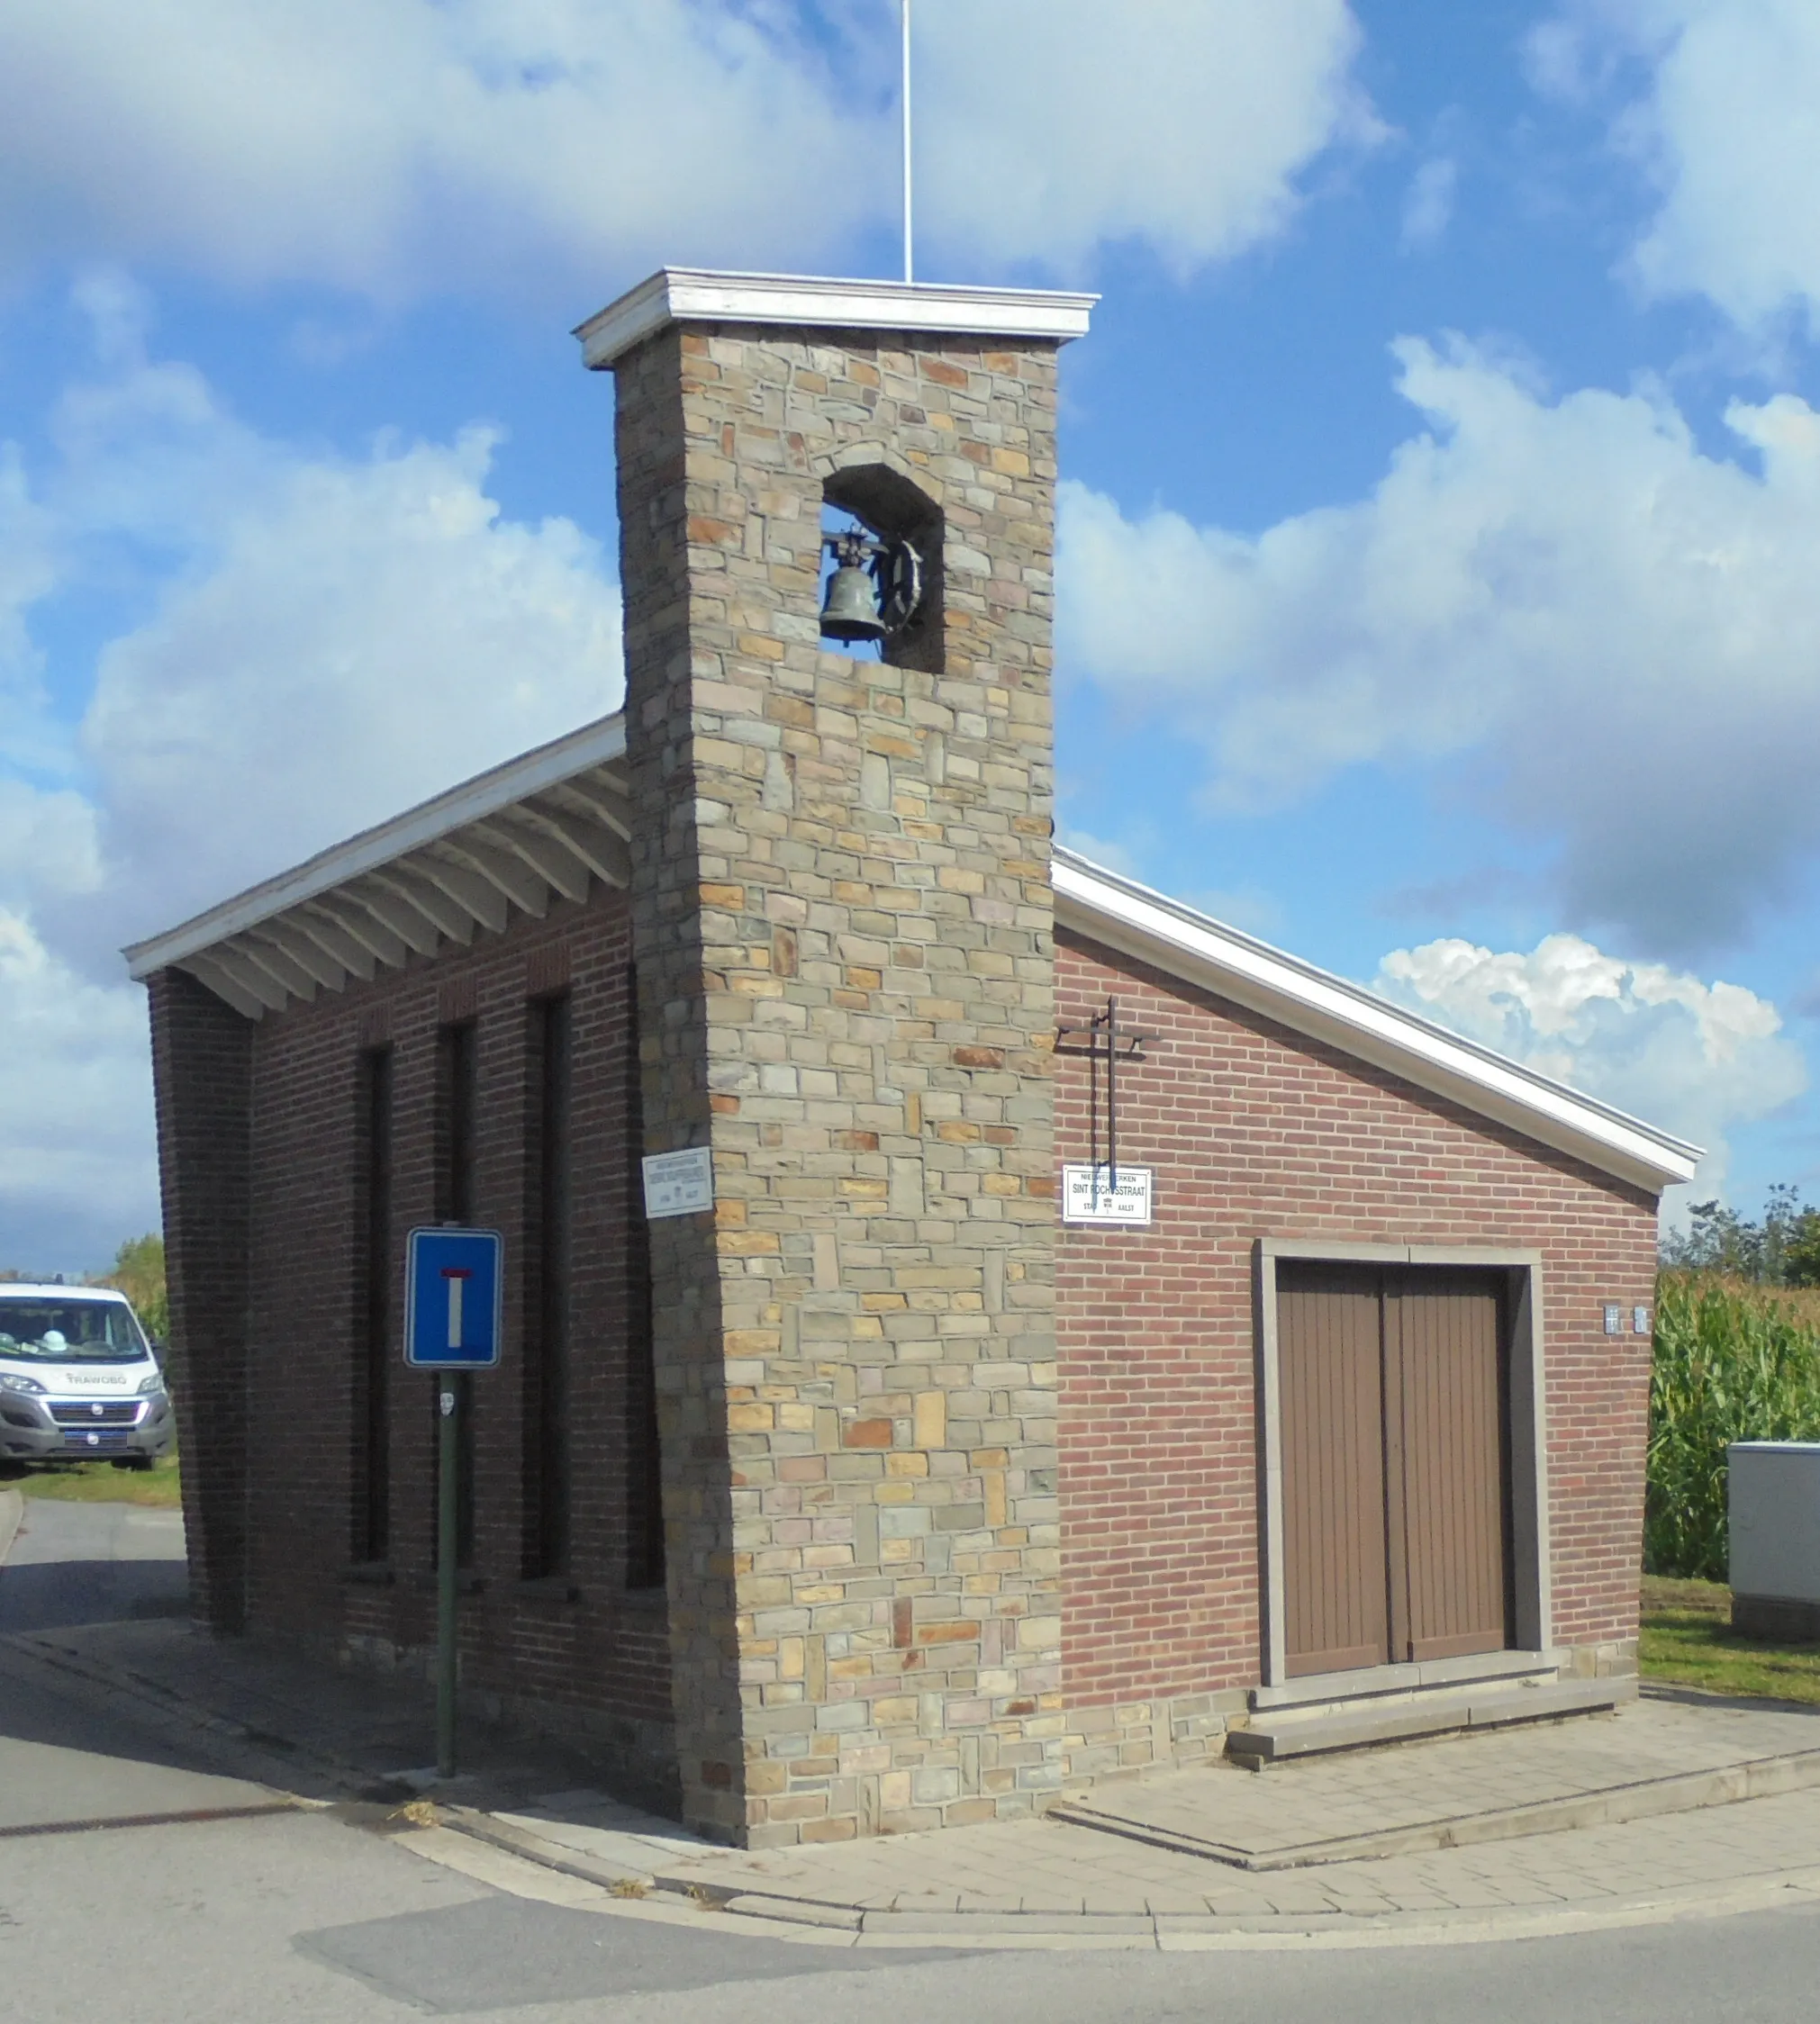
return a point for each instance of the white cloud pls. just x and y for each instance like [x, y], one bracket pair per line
[389, 145]
[331, 638]
[28, 571]
[1048, 127]
[1693, 1058]
[371, 632]
[334, 638]
[1724, 128]
[1428, 204]
[49, 843]
[1610, 637]
[78, 1168]
[392, 146]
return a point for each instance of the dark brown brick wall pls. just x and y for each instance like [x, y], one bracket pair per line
[1254, 1131]
[582, 1645]
[202, 1065]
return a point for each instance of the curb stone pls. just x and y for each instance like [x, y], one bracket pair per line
[12, 1516]
[808, 1921]
[549, 1855]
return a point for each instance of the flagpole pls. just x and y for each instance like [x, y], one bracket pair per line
[909, 261]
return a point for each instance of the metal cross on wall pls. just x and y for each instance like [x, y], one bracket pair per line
[1103, 1041]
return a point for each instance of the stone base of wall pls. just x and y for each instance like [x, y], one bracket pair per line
[633, 1760]
[958, 1780]
[1133, 1736]
[1616, 1660]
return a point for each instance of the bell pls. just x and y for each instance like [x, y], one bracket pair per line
[849, 612]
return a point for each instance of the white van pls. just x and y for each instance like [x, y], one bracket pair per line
[78, 1381]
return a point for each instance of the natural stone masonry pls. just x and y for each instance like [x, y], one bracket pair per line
[842, 921]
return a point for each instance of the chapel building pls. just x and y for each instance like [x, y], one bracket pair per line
[1112, 1342]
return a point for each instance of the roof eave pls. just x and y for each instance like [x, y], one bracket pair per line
[1126, 916]
[502, 787]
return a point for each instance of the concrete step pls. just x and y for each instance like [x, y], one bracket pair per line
[1585, 1783]
[1275, 1738]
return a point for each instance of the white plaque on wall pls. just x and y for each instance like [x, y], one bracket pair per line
[679, 1183]
[1088, 1195]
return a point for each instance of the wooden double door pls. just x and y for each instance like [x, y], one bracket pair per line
[1394, 1391]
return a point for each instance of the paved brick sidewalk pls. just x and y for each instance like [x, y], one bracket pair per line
[1047, 1881]
[1054, 1869]
[1046, 1870]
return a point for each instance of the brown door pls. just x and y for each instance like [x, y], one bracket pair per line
[1330, 1358]
[1395, 1505]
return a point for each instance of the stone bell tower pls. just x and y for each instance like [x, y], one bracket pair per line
[842, 922]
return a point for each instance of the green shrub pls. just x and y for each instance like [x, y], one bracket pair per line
[138, 1271]
[1733, 1362]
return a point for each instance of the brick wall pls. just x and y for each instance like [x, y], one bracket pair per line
[583, 1648]
[1254, 1131]
[202, 1064]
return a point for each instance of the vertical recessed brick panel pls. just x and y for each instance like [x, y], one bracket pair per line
[260, 1134]
[201, 1067]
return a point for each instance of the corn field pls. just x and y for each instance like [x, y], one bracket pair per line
[1733, 1362]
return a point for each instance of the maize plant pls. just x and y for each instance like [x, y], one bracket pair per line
[1733, 1362]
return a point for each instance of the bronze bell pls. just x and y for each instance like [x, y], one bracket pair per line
[849, 612]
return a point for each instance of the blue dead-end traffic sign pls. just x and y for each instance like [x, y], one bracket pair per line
[454, 1282]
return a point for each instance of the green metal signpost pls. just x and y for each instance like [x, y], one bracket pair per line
[454, 1287]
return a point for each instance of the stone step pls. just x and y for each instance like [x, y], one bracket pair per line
[1206, 1827]
[1275, 1738]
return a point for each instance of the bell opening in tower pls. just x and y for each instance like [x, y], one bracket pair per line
[881, 581]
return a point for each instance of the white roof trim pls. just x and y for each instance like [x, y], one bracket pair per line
[700, 295]
[1124, 915]
[239, 949]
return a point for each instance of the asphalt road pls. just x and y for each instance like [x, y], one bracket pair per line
[319, 1917]
[306, 1917]
[92, 1563]
[64, 1758]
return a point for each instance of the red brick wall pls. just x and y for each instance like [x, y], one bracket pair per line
[585, 1643]
[1254, 1131]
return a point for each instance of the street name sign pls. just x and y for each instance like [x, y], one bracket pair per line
[1100, 1195]
[454, 1289]
[679, 1183]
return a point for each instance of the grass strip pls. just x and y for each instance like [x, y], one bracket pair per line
[1687, 1640]
[159, 1487]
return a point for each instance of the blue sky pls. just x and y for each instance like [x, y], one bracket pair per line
[1438, 539]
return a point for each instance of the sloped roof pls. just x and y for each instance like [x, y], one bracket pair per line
[551, 821]
[1122, 915]
[558, 819]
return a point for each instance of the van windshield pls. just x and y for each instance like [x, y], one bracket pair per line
[69, 1332]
